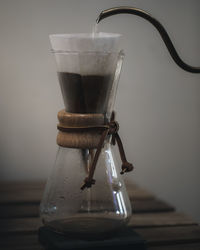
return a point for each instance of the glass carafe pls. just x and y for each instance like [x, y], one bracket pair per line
[88, 71]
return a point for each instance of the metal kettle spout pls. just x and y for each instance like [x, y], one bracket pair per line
[157, 25]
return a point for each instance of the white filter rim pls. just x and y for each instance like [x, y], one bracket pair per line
[85, 42]
[101, 35]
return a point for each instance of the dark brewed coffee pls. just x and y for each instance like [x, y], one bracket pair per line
[85, 93]
[87, 227]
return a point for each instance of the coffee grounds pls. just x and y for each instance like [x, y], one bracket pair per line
[85, 93]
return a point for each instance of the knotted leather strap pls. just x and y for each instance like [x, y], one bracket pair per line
[110, 129]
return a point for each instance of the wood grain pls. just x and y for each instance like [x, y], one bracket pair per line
[195, 246]
[79, 120]
[19, 226]
[152, 218]
[81, 138]
[157, 236]
[30, 225]
[160, 220]
[20, 242]
[150, 206]
[137, 193]
[31, 192]
[19, 209]
[13, 186]
[170, 235]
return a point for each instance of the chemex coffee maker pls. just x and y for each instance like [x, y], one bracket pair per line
[85, 194]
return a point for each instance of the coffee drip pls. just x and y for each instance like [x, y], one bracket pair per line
[95, 30]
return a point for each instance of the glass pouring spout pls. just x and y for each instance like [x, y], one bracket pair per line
[157, 25]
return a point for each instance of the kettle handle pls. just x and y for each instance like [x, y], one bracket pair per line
[159, 27]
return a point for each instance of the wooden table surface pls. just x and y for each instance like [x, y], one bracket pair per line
[156, 221]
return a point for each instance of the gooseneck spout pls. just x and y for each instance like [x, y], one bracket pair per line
[157, 25]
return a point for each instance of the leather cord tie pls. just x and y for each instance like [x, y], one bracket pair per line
[109, 129]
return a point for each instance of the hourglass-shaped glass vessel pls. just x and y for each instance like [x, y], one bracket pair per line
[88, 71]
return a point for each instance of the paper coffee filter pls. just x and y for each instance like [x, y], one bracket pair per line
[86, 53]
[82, 42]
